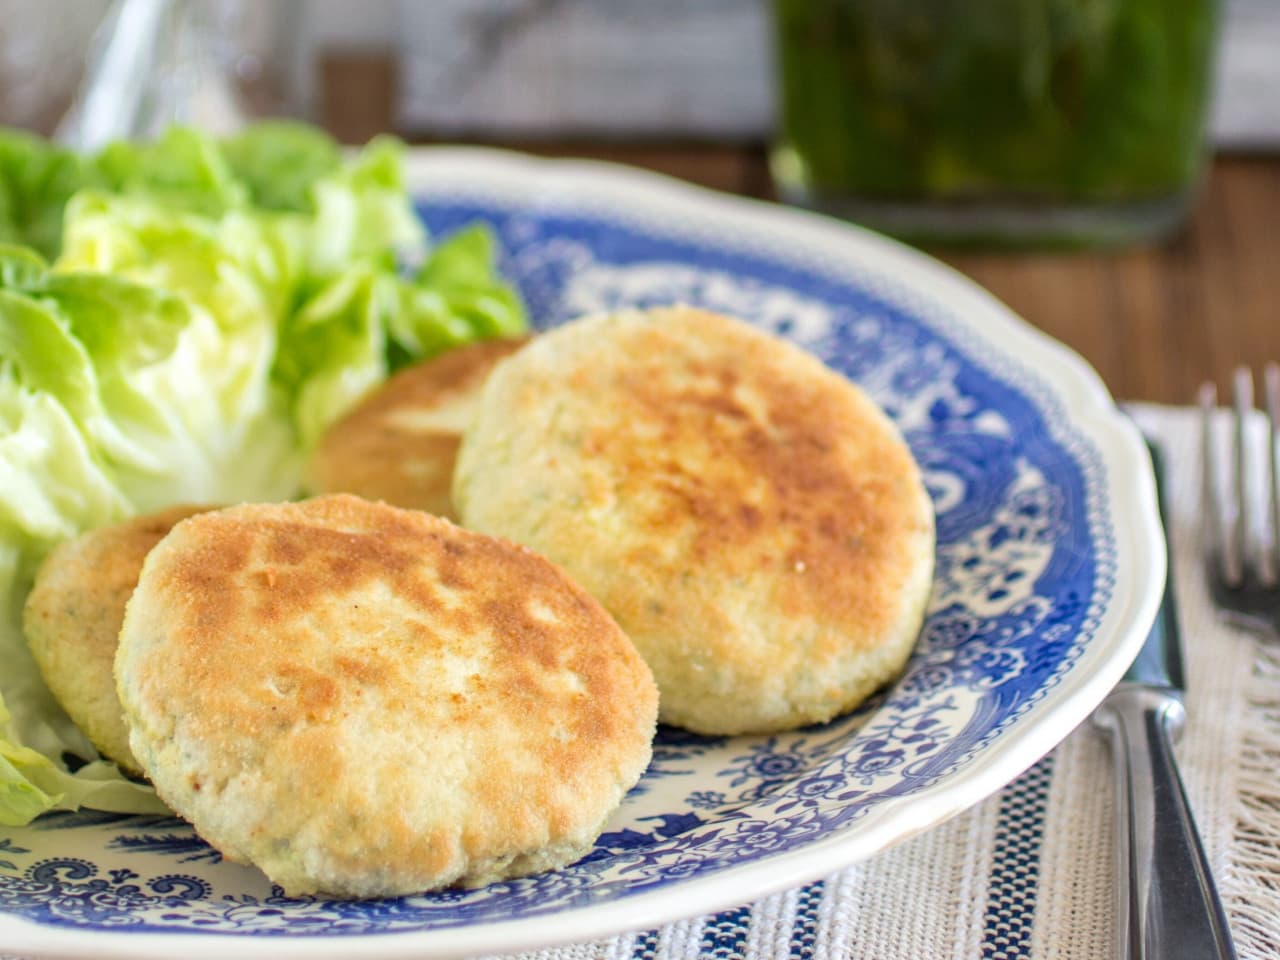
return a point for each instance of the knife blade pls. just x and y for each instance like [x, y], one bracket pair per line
[1168, 906]
[1159, 662]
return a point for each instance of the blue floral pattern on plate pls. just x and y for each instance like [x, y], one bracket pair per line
[1024, 565]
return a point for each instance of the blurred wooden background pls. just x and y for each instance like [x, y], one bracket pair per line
[1157, 322]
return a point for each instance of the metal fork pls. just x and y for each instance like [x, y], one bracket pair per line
[1243, 548]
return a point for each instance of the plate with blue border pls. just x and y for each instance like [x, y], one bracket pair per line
[1049, 568]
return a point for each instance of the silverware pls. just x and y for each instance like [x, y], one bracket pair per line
[1169, 906]
[1244, 549]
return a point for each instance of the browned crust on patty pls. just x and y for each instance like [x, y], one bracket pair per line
[755, 472]
[750, 517]
[413, 700]
[399, 443]
[73, 615]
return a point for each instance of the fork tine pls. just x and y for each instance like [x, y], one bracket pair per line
[1242, 381]
[1271, 392]
[1215, 520]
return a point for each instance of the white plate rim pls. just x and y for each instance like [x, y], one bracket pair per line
[1075, 389]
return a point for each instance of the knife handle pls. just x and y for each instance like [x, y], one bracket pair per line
[1169, 906]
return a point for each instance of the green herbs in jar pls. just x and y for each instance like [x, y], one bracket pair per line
[1075, 120]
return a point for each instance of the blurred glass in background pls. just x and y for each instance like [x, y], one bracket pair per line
[155, 62]
[1077, 121]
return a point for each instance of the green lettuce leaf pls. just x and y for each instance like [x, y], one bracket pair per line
[280, 160]
[55, 485]
[457, 296]
[31, 783]
[200, 394]
[333, 349]
[184, 169]
[20, 267]
[37, 179]
[116, 397]
[360, 205]
[363, 210]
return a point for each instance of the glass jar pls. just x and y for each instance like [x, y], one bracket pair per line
[1007, 121]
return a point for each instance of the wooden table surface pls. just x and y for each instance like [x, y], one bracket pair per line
[1154, 322]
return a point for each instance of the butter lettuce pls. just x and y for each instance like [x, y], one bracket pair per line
[334, 347]
[209, 309]
[362, 211]
[31, 782]
[36, 180]
[278, 161]
[457, 296]
[184, 169]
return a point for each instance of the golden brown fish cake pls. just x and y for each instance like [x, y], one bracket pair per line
[754, 522]
[366, 701]
[72, 622]
[400, 442]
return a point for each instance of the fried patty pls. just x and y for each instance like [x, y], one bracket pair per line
[753, 521]
[369, 701]
[72, 622]
[399, 443]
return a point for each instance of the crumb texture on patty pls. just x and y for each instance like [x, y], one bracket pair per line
[72, 621]
[369, 701]
[755, 523]
[400, 442]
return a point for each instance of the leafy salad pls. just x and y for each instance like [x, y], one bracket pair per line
[179, 321]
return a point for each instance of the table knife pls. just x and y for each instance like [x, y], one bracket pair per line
[1169, 907]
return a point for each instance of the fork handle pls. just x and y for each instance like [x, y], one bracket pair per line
[1169, 906]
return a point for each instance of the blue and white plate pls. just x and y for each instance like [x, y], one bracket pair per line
[1049, 566]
